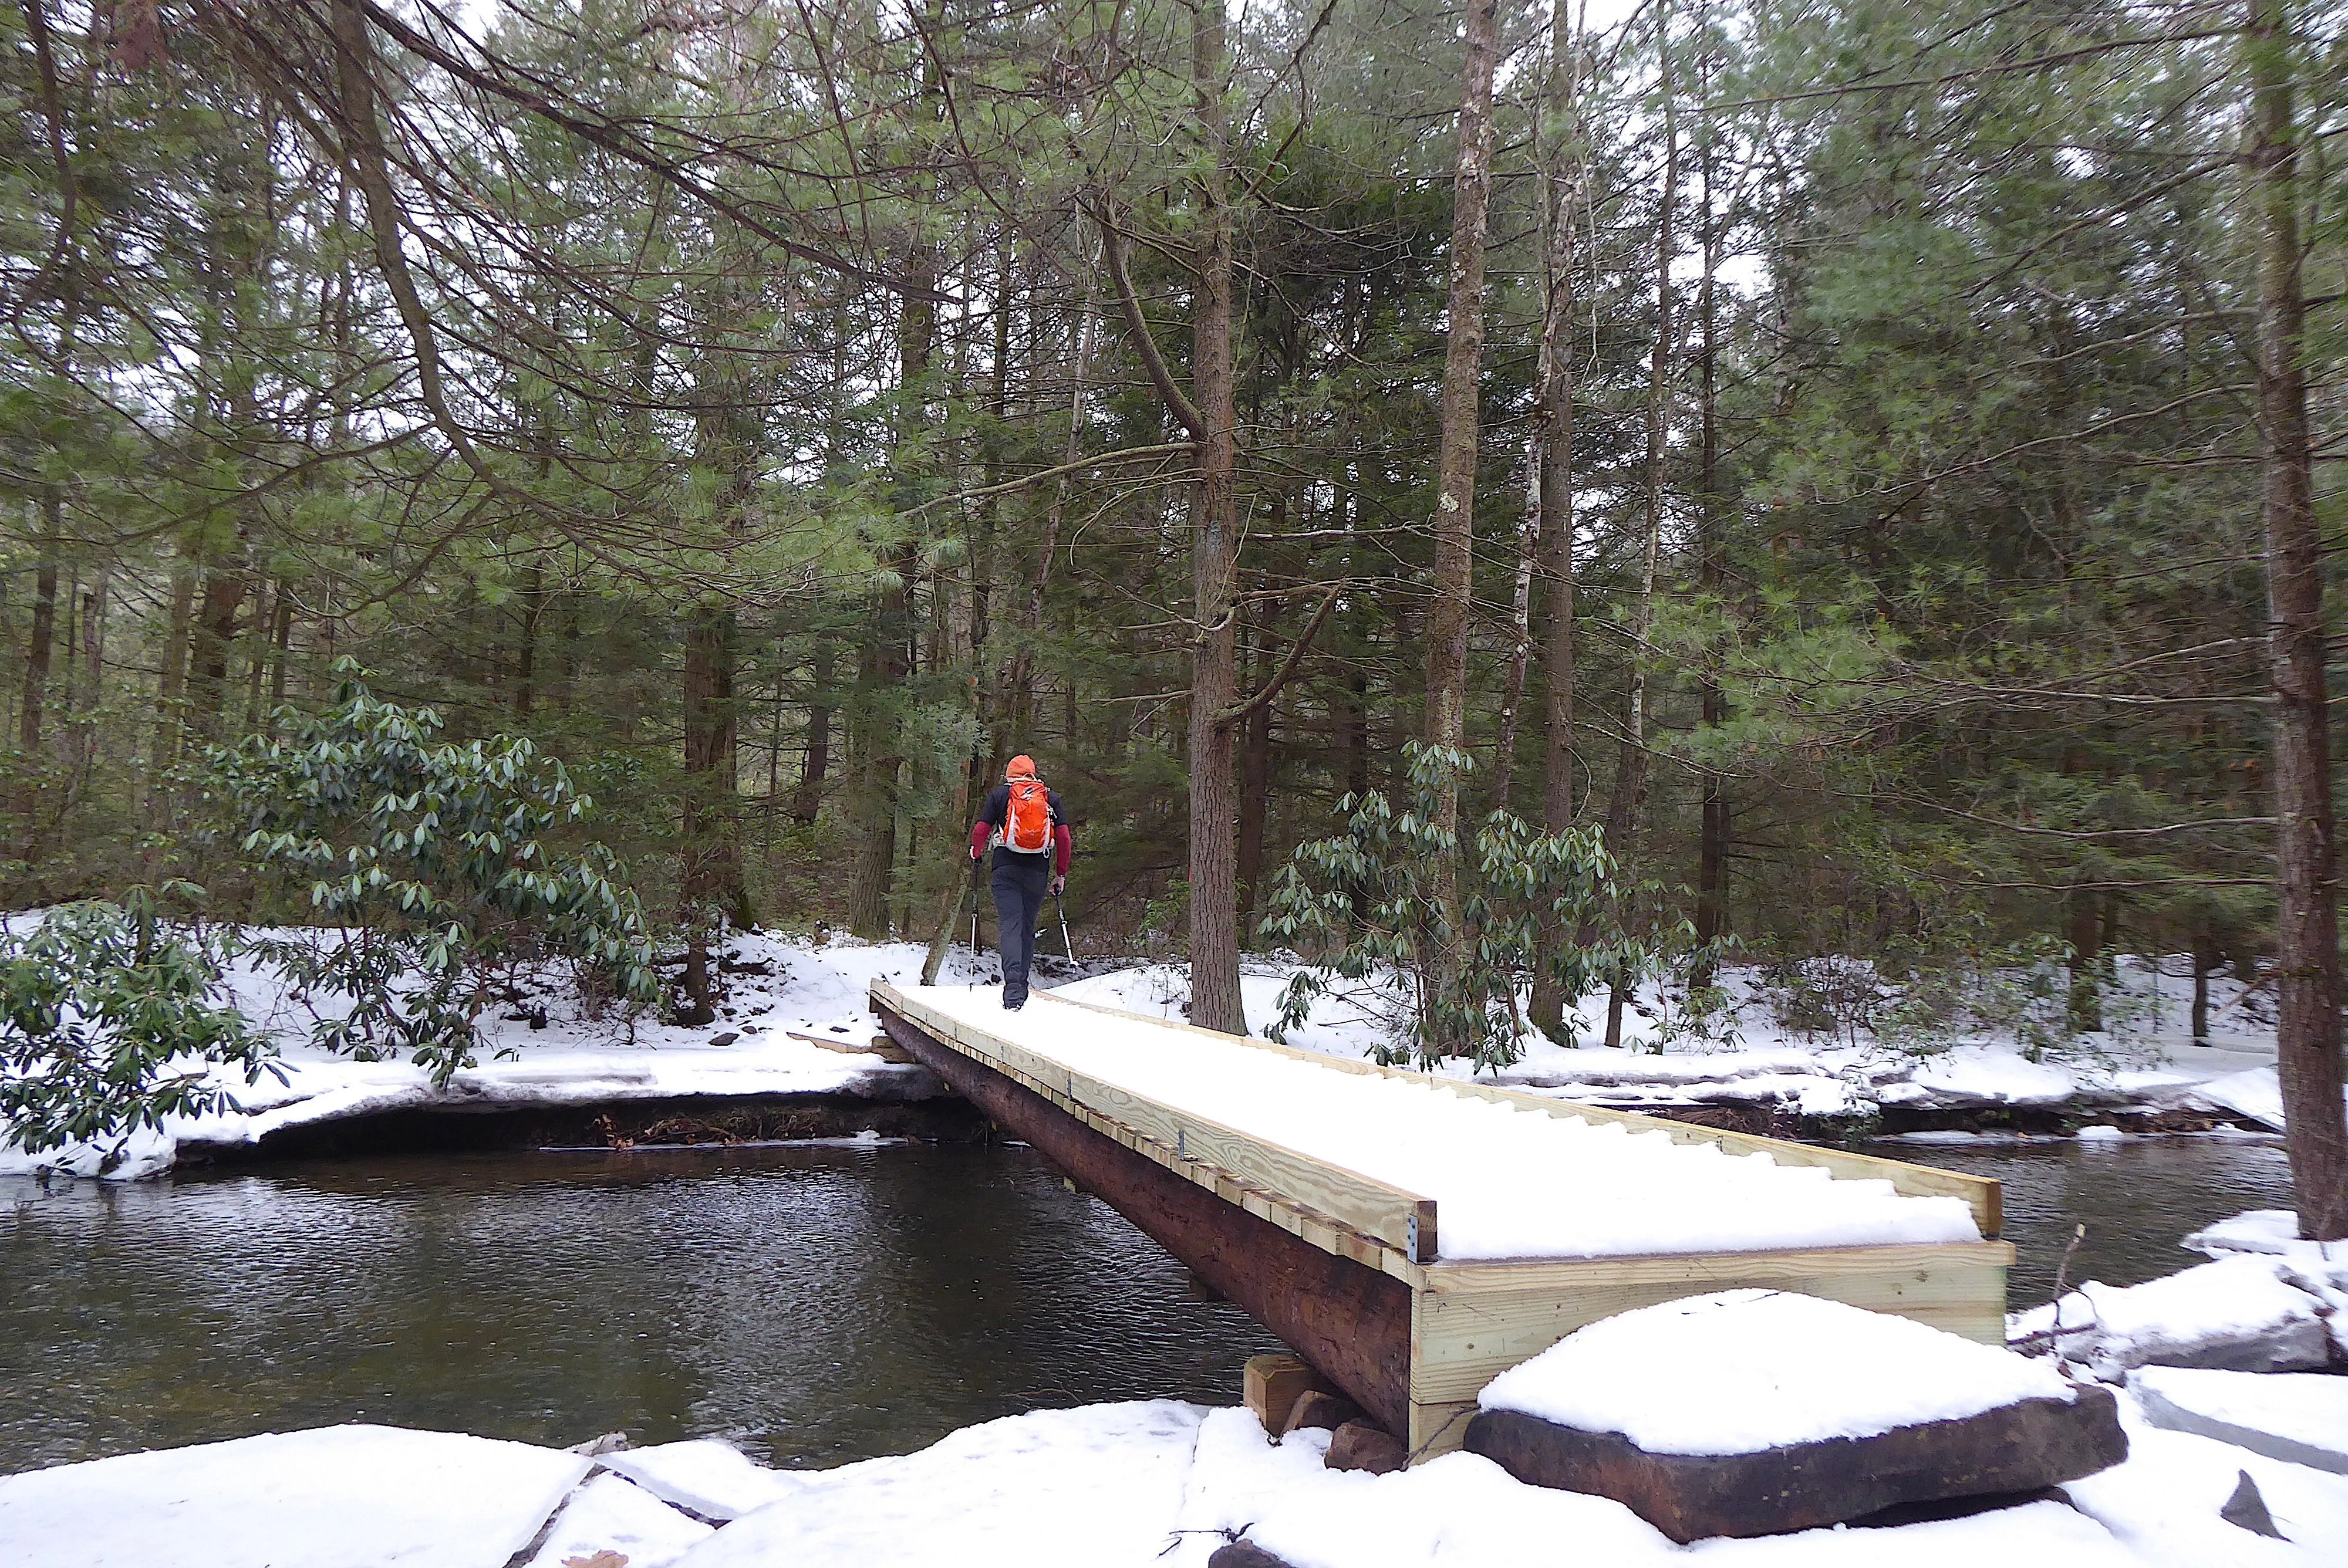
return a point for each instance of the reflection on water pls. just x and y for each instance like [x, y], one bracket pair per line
[818, 1304]
[2137, 1197]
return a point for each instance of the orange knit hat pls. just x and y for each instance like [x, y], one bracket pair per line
[1022, 767]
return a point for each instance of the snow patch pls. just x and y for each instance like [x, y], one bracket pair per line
[340, 1497]
[1091, 1488]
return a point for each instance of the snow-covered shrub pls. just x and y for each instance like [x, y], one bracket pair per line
[1363, 906]
[109, 1023]
[1833, 996]
[428, 865]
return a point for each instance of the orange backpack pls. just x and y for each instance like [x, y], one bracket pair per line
[1027, 819]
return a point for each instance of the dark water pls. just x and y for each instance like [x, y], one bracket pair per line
[2137, 1198]
[817, 1305]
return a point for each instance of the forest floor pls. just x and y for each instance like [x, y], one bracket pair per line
[543, 1045]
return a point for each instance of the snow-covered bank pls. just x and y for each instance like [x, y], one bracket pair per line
[544, 1048]
[1154, 1484]
[1747, 1058]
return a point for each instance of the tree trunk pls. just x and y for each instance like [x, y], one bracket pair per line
[1559, 156]
[2307, 892]
[1214, 677]
[1624, 810]
[225, 584]
[1711, 833]
[1256, 786]
[533, 614]
[1455, 500]
[888, 659]
[171, 696]
[2084, 923]
[1021, 701]
[44, 633]
[808, 798]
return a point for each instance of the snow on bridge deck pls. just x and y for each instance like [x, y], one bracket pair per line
[1511, 1218]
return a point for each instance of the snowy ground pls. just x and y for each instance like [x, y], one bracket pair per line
[1152, 1484]
[777, 985]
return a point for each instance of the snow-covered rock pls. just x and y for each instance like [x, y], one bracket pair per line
[713, 1480]
[341, 1497]
[1739, 1371]
[2301, 1416]
[2163, 1503]
[2275, 1232]
[1092, 1488]
[2239, 1313]
[614, 1514]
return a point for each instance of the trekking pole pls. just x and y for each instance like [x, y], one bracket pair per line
[1061, 901]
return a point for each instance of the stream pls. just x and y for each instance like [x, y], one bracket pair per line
[813, 1304]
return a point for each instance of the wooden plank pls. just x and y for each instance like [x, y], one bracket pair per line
[1351, 1322]
[1470, 1322]
[1981, 1193]
[1401, 1219]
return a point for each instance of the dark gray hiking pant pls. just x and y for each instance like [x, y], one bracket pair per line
[1018, 905]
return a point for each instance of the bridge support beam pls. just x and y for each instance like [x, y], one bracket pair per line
[1351, 1322]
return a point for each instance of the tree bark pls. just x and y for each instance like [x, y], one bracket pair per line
[807, 799]
[1558, 159]
[1214, 676]
[43, 632]
[1255, 785]
[2306, 887]
[1624, 810]
[1711, 834]
[1455, 498]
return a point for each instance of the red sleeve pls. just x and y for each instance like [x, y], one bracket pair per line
[1065, 844]
[979, 833]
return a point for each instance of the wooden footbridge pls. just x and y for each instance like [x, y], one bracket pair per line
[1272, 1173]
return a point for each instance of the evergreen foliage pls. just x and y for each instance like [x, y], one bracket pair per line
[111, 1017]
[428, 869]
[1362, 908]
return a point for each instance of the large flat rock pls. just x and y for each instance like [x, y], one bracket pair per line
[1754, 1412]
[342, 1497]
[2013, 1449]
[2300, 1417]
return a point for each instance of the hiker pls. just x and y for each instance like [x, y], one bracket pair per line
[1024, 822]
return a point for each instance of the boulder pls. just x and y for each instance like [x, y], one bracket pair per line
[1319, 1408]
[1753, 1412]
[2012, 1448]
[1243, 1554]
[2243, 1313]
[1358, 1445]
[2298, 1417]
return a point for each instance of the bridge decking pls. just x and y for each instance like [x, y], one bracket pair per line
[1350, 1268]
